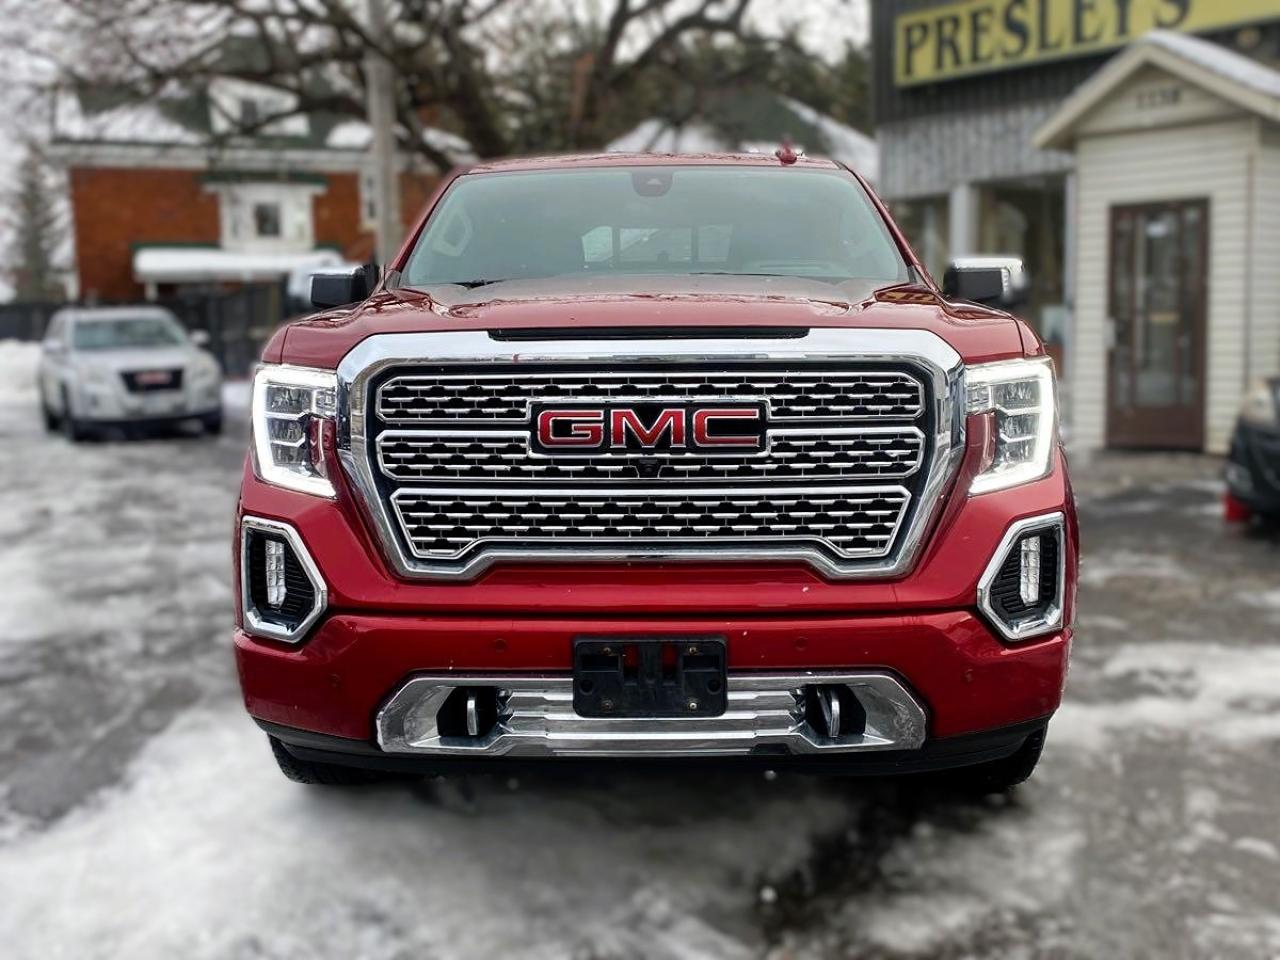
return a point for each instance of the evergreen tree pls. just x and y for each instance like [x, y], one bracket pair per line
[36, 230]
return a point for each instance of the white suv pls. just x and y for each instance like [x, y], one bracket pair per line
[126, 367]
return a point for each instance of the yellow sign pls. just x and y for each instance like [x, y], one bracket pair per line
[977, 36]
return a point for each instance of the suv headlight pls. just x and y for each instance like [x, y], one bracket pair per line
[290, 406]
[1260, 404]
[94, 375]
[205, 369]
[1020, 395]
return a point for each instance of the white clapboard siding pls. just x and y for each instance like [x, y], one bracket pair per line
[1187, 161]
[1265, 343]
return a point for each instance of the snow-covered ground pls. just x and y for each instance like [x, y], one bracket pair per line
[141, 815]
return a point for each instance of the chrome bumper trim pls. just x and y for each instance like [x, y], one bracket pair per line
[536, 719]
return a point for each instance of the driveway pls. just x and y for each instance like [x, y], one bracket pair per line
[142, 816]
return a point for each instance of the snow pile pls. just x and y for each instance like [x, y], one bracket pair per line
[1203, 690]
[247, 864]
[18, 362]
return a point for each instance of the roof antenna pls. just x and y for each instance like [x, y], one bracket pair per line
[786, 153]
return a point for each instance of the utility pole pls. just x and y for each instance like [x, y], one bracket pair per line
[382, 117]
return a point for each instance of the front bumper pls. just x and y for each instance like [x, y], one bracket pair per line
[951, 662]
[1253, 467]
[112, 405]
[935, 754]
[518, 623]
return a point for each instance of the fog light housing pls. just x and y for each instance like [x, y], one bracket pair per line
[1021, 591]
[281, 590]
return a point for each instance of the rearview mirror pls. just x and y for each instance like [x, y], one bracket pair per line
[993, 281]
[344, 288]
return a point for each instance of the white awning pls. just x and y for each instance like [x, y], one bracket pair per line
[212, 264]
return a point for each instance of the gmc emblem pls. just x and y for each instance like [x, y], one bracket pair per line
[588, 428]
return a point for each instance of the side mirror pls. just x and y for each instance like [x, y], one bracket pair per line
[343, 289]
[200, 338]
[993, 281]
[54, 348]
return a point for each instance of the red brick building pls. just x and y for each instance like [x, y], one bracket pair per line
[164, 196]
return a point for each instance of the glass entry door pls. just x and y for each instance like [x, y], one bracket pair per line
[1159, 266]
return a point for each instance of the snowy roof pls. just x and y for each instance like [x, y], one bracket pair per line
[355, 135]
[719, 131]
[1232, 76]
[146, 123]
[180, 119]
[201, 264]
[1220, 60]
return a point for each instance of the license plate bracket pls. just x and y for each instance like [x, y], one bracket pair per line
[646, 676]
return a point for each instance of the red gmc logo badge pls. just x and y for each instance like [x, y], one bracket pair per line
[648, 427]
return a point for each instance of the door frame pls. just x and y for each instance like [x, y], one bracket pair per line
[1175, 435]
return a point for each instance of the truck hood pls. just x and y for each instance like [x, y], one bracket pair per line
[589, 304]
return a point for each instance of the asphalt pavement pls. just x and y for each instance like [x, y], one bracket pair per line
[141, 814]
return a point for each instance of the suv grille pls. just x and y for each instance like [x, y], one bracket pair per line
[443, 526]
[845, 455]
[888, 453]
[505, 397]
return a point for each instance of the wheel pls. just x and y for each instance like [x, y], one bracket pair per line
[50, 418]
[997, 776]
[212, 424]
[73, 429]
[320, 774]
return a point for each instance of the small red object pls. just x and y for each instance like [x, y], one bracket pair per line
[1235, 510]
[786, 153]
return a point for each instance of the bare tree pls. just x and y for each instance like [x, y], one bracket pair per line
[505, 75]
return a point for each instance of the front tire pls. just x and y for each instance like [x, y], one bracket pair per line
[51, 422]
[319, 774]
[74, 430]
[1000, 776]
[212, 424]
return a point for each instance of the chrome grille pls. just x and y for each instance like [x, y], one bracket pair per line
[835, 453]
[445, 524]
[502, 398]
[862, 430]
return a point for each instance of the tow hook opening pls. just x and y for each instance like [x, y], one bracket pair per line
[832, 710]
[468, 712]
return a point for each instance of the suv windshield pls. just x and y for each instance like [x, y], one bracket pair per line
[681, 220]
[125, 332]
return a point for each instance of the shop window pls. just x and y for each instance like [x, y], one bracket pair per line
[1027, 219]
[927, 224]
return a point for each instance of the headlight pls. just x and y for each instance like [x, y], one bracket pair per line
[1260, 404]
[290, 406]
[205, 369]
[1020, 396]
[95, 376]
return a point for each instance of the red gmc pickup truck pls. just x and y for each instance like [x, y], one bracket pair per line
[639, 457]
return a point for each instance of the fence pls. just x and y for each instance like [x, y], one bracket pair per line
[239, 322]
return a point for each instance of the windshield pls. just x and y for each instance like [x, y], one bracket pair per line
[625, 221]
[126, 332]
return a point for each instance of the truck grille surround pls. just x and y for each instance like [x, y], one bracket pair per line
[859, 432]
